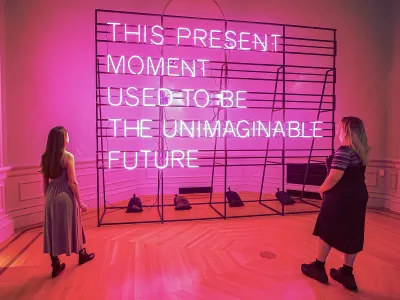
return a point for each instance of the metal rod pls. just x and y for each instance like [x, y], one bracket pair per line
[97, 126]
[277, 211]
[220, 158]
[313, 140]
[225, 138]
[212, 19]
[261, 64]
[215, 141]
[299, 101]
[102, 217]
[253, 150]
[101, 141]
[216, 77]
[218, 69]
[161, 138]
[200, 47]
[248, 92]
[268, 141]
[217, 211]
[334, 93]
[284, 105]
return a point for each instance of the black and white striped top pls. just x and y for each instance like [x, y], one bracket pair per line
[344, 157]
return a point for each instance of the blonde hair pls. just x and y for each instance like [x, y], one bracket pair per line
[352, 133]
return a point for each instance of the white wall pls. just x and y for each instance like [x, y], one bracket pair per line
[50, 79]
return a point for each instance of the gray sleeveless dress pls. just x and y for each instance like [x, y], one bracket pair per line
[63, 230]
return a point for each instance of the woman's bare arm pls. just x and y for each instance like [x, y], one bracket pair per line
[70, 164]
[332, 179]
[45, 184]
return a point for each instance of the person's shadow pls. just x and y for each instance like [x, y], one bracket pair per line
[17, 283]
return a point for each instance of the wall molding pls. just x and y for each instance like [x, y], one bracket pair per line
[24, 200]
[6, 223]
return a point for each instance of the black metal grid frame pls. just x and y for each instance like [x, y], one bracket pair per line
[280, 158]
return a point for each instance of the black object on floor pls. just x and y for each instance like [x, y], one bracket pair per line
[181, 203]
[134, 205]
[234, 199]
[284, 198]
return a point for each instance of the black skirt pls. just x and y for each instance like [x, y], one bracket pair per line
[341, 220]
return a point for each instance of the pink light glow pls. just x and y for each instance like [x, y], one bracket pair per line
[156, 30]
[182, 125]
[165, 93]
[161, 42]
[212, 38]
[257, 40]
[275, 36]
[297, 129]
[227, 95]
[208, 39]
[220, 129]
[199, 37]
[141, 65]
[228, 98]
[171, 65]
[126, 33]
[121, 61]
[151, 69]
[113, 26]
[138, 127]
[230, 40]
[207, 96]
[173, 159]
[147, 96]
[179, 36]
[242, 40]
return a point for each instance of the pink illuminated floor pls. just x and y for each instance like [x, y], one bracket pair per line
[201, 260]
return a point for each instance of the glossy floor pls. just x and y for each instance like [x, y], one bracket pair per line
[215, 259]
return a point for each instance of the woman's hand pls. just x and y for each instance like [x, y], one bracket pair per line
[333, 177]
[321, 193]
[83, 207]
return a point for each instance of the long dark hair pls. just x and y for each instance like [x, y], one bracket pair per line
[51, 159]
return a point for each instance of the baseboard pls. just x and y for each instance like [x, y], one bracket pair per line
[6, 228]
[393, 204]
[25, 202]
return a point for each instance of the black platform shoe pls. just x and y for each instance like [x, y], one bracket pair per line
[84, 257]
[57, 267]
[314, 271]
[347, 280]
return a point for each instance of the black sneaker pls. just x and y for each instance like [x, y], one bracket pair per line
[316, 272]
[347, 280]
[57, 268]
[84, 257]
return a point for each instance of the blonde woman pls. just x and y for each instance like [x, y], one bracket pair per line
[341, 221]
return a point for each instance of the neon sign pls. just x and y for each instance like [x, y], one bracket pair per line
[200, 98]
[214, 39]
[173, 159]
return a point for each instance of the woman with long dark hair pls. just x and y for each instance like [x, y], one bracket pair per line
[341, 220]
[63, 230]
